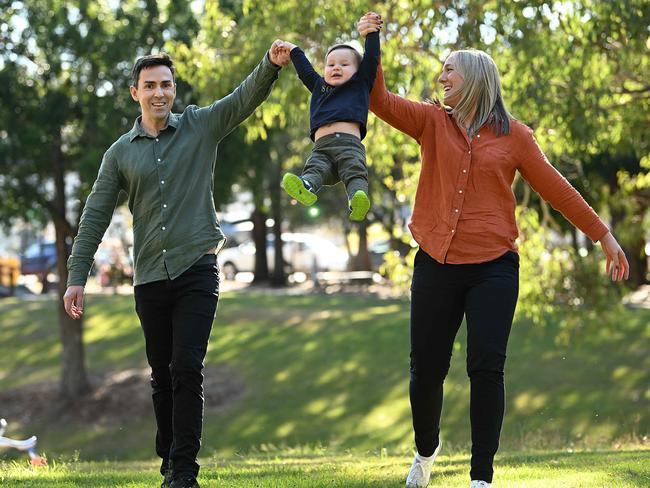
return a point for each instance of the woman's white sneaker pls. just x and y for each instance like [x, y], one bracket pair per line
[479, 484]
[420, 473]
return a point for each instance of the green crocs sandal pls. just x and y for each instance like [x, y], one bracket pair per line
[296, 188]
[359, 205]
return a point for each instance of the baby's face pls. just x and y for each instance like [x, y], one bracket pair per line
[340, 65]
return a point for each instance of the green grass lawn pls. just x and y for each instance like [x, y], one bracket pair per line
[331, 372]
[621, 469]
[539, 470]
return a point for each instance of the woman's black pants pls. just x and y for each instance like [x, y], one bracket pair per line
[441, 294]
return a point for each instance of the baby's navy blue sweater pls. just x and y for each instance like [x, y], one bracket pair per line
[344, 103]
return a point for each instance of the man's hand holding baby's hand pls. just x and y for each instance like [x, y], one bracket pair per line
[279, 54]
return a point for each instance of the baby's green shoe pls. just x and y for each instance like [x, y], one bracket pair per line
[295, 186]
[359, 205]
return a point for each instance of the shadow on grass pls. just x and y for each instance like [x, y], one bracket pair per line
[332, 370]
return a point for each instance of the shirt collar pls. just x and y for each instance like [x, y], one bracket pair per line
[138, 131]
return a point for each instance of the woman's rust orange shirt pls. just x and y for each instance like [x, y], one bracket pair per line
[464, 208]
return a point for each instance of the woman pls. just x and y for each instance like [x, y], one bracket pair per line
[464, 222]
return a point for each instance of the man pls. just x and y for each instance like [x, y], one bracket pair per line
[165, 163]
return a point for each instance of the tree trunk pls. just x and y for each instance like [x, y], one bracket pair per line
[346, 236]
[638, 260]
[278, 278]
[635, 252]
[574, 240]
[362, 259]
[259, 237]
[74, 380]
[45, 284]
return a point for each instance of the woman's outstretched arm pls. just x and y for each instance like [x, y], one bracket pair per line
[405, 115]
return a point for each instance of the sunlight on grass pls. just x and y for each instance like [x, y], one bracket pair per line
[304, 468]
[333, 370]
[527, 403]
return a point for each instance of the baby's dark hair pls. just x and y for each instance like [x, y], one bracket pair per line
[357, 56]
[160, 59]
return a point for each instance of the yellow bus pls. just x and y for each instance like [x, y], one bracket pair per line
[9, 271]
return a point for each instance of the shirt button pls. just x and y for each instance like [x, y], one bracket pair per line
[164, 205]
[164, 251]
[460, 191]
[464, 171]
[162, 182]
[453, 230]
[157, 141]
[164, 228]
[477, 135]
[455, 210]
[468, 152]
[158, 159]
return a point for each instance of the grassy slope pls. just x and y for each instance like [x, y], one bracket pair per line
[333, 371]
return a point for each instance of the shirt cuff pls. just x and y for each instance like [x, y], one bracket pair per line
[597, 231]
[78, 271]
[268, 62]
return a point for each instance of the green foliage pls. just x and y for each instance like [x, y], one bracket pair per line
[559, 288]
[399, 270]
[632, 202]
[64, 97]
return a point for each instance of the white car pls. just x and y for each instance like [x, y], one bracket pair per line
[302, 252]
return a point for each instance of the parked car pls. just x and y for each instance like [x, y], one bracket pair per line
[39, 258]
[301, 251]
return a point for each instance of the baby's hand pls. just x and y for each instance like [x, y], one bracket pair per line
[288, 45]
[370, 22]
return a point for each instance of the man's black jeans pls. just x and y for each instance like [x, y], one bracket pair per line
[441, 294]
[176, 317]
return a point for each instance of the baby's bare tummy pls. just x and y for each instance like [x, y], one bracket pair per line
[345, 127]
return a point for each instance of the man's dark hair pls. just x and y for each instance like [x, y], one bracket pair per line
[159, 59]
[357, 55]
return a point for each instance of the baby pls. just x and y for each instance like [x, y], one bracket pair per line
[338, 117]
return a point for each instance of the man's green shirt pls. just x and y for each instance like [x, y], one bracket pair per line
[169, 182]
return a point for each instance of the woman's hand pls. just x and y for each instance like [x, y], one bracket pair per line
[617, 265]
[370, 22]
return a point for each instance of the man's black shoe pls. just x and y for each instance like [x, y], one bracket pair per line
[167, 479]
[184, 482]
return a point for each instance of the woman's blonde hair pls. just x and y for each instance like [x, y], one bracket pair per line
[480, 93]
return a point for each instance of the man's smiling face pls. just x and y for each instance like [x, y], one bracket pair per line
[155, 92]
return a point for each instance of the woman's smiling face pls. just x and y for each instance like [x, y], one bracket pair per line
[451, 82]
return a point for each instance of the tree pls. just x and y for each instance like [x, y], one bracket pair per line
[64, 99]
[579, 74]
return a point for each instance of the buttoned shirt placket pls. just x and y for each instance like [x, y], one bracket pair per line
[460, 191]
[163, 182]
